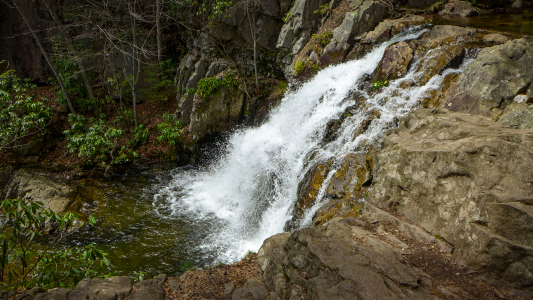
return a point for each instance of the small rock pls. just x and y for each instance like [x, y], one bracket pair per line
[495, 38]
[460, 8]
[34, 291]
[229, 288]
[161, 278]
[173, 285]
[22, 296]
[252, 290]
[55, 294]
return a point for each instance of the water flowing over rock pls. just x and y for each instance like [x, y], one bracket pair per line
[250, 194]
[467, 179]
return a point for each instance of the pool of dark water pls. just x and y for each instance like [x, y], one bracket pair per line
[512, 23]
[136, 236]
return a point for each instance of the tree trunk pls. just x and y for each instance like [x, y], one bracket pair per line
[158, 28]
[72, 47]
[54, 71]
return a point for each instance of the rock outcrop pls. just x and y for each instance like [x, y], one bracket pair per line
[34, 185]
[338, 261]
[366, 16]
[494, 79]
[467, 179]
[217, 113]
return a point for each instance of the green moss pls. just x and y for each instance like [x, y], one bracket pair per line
[207, 87]
[299, 67]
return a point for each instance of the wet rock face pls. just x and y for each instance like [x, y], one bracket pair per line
[395, 61]
[467, 179]
[338, 261]
[216, 113]
[494, 78]
[48, 188]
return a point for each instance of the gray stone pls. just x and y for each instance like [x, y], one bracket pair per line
[252, 290]
[54, 294]
[467, 179]
[173, 285]
[114, 288]
[300, 26]
[216, 113]
[493, 79]
[228, 289]
[495, 38]
[518, 116]
[46, 187]
[366, 16]
[337, 261]
[460, 8]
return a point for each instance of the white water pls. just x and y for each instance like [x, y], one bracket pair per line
[249, 194]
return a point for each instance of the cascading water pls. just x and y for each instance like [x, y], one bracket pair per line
[248, 195]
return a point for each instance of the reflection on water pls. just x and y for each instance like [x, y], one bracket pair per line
[128, 228]
[521, 23]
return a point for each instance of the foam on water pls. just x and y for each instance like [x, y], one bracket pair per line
[248, 195]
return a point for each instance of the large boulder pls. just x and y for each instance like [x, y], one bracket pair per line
[366, 15]
[494, 79]
[34, 185]
[468, 180]
[338, 261]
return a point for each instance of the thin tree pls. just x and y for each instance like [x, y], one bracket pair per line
[43, 51]
[73, 49]
[158, 28]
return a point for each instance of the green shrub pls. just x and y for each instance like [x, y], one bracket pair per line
[25, 263]
[287, 18]
[324, 9]
[141, 136]
[207, 87]
[97, 144]
[170, 130]
[376, 85]
[21, 116]
[323, 39]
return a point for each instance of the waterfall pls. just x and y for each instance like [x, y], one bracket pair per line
[248, 195]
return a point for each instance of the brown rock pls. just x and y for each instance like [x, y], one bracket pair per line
[394, 62]
[35, 185]
[460, 8]
[467, 179]
[337, 261]
[493, 79]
